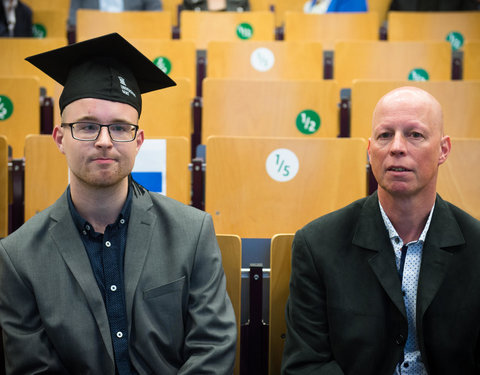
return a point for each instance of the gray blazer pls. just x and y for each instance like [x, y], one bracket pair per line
[127, 5]
[179, 315]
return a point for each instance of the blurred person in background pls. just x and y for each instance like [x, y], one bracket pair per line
[15, 19]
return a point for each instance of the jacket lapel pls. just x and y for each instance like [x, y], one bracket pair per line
[371, 234]
[69, 244]
[443, 233]
[138, 243]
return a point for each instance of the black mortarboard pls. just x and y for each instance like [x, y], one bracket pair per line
[107, 67]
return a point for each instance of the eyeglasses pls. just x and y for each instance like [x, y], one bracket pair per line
[89, 131]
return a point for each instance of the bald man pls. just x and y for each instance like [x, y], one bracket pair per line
[389, 284]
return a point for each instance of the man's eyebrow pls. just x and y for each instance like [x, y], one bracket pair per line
[96, 120]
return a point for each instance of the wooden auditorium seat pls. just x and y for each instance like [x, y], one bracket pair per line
[265, 60]
[459, 177]
[391, 60]
[275, 108]
[203, 27]
[62, 5]
[168, 113]
[19, 110]
[459, 100]
[280, 269]
[16, 50]
[3, 187]
[471, 60]
[328, 28]
[130, 24]
[53, 22]
[46, 172]
[257, 187]
[403, 26]
[177, 58]
[231, 249]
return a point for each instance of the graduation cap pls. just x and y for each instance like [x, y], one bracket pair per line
[107, 67]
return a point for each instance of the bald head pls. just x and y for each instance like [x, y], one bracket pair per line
[409, 97]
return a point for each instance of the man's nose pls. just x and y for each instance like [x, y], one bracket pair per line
[398, 144]
[103, 139]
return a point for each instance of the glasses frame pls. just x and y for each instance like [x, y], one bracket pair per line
[70, 124]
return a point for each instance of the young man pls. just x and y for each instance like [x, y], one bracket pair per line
[389, 284]
[112, 279]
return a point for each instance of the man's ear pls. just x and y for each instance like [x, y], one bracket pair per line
[57, 134]
[445, 148]
[139, 139]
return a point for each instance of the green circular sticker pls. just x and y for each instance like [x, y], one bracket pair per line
[418, 74]
[308, 121]
[6, 107]
[244, 31]
[455, 39]
[39, 31]
[163, 63]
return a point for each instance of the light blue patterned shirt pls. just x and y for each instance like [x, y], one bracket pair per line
[412, 363]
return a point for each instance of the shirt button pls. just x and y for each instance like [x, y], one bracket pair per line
[122, 221]
[399, 339]
[119, 334]
[113, 288]
[403, 292]
[397, 240]
[84, 232]
[87, 227]
[108, 244]
[405, 364]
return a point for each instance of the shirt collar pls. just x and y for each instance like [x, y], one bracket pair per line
[83, 224]
[392, 233]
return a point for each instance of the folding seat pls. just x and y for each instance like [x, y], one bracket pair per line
[280, 270]
[265, 60]
[203, 27]
[455, 27]
[459, 177]
[49, 24]
[15, 50]
[275, 108]
[231, 249]
[130, 24]
[328, 28]
[459, 100]
[259, 186]
[19, 110]
[177, 58]
[391, 60]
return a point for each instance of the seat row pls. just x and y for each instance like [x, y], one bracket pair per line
[254, 186]
[240, 107]
[262, 24]
[349, 60]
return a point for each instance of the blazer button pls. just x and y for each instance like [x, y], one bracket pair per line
[400, 339]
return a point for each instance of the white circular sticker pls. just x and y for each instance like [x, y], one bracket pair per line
[262, 59]
[282, 165]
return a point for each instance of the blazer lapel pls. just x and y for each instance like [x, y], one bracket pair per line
[443, 233]
[371, 234]
[69, 244]
[138, 243]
